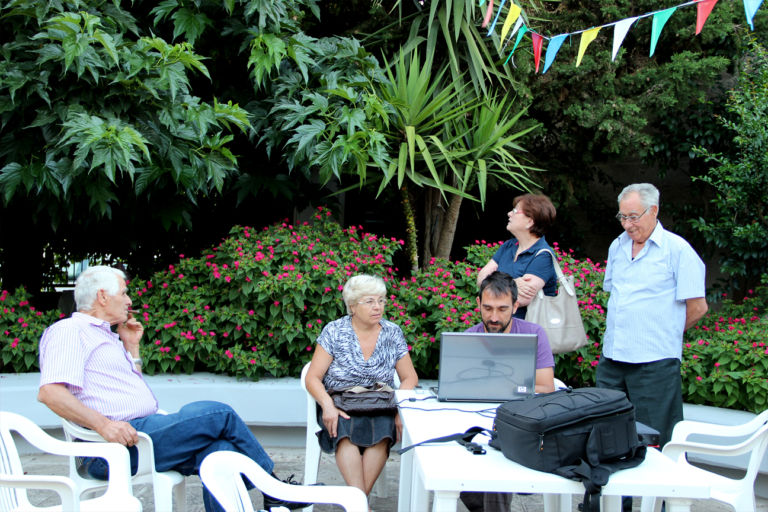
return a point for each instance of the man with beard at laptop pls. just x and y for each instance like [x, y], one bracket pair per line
[497, 300]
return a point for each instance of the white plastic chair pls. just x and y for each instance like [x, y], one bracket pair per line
[312, 451]
[739, 493]
[13, 481]
[168, 486]
[221, 474]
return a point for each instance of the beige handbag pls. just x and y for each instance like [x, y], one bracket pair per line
[559, 315]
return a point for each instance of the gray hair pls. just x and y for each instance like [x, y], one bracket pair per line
[649, 195]
[93, 279]
[361, 285]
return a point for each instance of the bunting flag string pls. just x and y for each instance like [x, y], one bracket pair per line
[621, 28]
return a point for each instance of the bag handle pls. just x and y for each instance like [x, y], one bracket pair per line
[463, 438]
[559, 272]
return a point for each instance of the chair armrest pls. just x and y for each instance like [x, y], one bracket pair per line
[685, 428]
[63, 486]
[677, 449]
[146, 462]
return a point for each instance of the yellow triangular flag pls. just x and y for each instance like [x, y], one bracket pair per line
[514, 13]
[586, 37]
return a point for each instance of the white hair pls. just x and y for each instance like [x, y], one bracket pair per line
[360, 286]
[649, 195]
[93, 279]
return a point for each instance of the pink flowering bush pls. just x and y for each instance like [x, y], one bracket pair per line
[725, 356]
[21, 326]
[254, 304]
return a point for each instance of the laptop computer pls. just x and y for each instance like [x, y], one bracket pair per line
[486, 367]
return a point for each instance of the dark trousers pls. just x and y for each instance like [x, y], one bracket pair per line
[655, 389]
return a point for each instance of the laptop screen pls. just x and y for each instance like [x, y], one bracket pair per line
[486, 367]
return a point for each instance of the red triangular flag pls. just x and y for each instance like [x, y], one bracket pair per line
[488, 13]
[537, 40]
[703, 8]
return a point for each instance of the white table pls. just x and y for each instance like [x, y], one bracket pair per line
[446, 469]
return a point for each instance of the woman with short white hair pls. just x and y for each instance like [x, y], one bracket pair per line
[359, 349]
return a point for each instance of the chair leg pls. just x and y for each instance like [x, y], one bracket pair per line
[180, 496]
[650, 504]
[163, 497]
[311, 464]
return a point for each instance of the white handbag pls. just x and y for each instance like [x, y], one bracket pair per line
[559, 315]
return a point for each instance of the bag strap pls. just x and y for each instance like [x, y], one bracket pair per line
[559, 272]
[595, 477]
[463, 438]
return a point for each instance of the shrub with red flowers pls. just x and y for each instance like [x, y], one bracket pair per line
[725, 356]
[21, 325]
[255, 304]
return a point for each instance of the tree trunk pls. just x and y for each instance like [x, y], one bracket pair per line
[433, 217]
[448, 231]
[411, 241]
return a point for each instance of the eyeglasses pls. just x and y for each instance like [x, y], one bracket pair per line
[631, 218]
[373, 302]
[517, 210]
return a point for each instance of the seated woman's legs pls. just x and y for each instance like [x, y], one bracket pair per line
[361, 470]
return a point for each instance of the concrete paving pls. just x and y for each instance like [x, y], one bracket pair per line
[291, 461]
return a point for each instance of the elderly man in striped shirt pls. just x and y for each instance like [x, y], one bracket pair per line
[92, 376]
[656, 282]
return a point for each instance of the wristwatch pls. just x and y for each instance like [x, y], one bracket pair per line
[138, 361]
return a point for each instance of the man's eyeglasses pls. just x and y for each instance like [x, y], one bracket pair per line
[373, 302]
[631, 218]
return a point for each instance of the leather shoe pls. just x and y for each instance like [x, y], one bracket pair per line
[271, 501]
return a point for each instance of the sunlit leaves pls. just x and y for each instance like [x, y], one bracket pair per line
[96, 106]
[104, 142]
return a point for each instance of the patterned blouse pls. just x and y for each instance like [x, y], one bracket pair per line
[348, 367]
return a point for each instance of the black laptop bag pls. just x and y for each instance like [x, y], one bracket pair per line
[583, 434]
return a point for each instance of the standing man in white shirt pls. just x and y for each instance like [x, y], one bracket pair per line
[657, 291]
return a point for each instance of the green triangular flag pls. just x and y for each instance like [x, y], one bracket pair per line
[659, 19]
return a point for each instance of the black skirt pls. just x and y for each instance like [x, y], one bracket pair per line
[362, 430]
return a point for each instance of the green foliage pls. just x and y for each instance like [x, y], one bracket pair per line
[21, 326]
[725, 357]
[255, 304]
[94, 117]
[738, 221]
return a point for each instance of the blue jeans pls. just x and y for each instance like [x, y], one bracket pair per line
[183, 439]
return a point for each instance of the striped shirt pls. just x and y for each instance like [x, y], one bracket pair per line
[646, 308]
[83, 353]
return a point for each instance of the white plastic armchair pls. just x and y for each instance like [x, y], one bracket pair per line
[14, 483]
[312, 451]
[751, 438]
[168, 486]
[221, 473]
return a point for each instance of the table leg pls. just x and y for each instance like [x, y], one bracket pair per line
[557, 502]
[678, 504]
[610, 503]
[419, 495]
[445, 501]
[406, 476]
